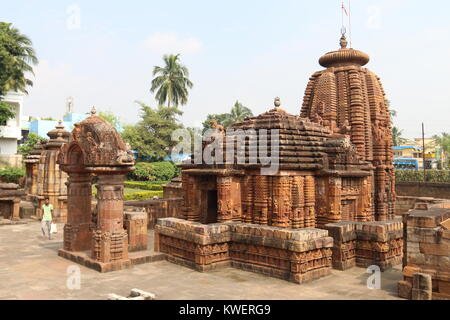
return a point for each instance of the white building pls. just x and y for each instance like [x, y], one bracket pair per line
[10, 132]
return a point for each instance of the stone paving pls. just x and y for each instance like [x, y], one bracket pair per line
[31, 269]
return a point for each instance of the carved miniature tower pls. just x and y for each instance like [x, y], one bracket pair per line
[95, 148]
[51, 181]
[346, 96]
[32, 169]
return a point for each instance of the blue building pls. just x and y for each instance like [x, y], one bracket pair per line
[41, 127]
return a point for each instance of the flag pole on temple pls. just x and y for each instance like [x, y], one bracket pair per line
[347, 13]
[423, 153]
[349, 24]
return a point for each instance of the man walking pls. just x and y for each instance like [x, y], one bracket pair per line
[47, 218]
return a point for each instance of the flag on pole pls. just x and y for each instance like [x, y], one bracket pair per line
[344, 9]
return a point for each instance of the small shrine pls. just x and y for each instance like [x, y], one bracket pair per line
[95, 149]
[44, 179]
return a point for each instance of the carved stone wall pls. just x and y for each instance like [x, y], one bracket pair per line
[364, 244]
[295, 255]
[427, 252]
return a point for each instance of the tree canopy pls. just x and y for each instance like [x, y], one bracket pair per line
[29, 144]
[16, 59]
[110, 117]
[171, 82]
[152, 136]
[443, 141]
[238, 113]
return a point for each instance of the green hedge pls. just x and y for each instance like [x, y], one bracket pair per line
[144, 195]
[143, 185]
[438, 176]
[154, 171]
[11, 175]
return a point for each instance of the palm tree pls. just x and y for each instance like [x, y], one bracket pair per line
[171, 82]
[443, 141]
[17, 57]
[238, 113]
[397, 138]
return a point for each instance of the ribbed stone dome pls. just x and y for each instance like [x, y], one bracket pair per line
[344, 57]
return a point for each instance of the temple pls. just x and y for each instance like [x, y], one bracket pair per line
[44, 179]
[330, 202]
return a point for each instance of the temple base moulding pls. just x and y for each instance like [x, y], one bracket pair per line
[135, 258]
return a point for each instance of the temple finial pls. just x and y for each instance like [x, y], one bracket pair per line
[277, 102]
[343, 42]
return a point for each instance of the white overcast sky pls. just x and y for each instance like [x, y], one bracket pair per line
[102, 53]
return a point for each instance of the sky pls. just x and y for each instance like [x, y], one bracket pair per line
[102, 53]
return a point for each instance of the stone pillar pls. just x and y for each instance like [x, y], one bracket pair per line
[260, 212]
[248, 197]
[310, 202]
[77, 232]
[189, 208]
[16, 210]
[298, 203]
[381, 203]
[335, 187]
[225, 205]
[282, 203]
[110, 240]
[136, 225]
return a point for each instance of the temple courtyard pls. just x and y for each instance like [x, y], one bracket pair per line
[31, 269]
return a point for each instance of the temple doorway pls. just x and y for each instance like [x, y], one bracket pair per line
[211, 207]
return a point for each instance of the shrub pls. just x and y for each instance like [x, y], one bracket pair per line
[149, 171]
[143, 172]
[144, 195]
[164, 170]
[11, 175]
[29, 144]
[438, 176]
[143, 185]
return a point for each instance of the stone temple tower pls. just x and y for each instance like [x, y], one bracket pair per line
[346, 97]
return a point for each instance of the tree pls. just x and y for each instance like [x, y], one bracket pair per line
[152, 136]
[16, 59]
[443, 141]
[397, 138]
[5, 113]
[29, 144]
[171, 82]
[220, 118]
[110, 117]
[238, 113]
